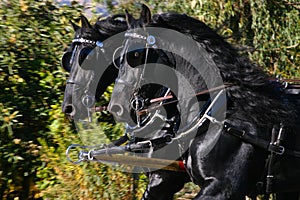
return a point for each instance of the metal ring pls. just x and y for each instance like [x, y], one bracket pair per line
[151, 40]
[279, 78]
[88, 101]
[285, 84]
[99, 44]
[80, 158]
[115, 55]
[90, 157]
[137, 103]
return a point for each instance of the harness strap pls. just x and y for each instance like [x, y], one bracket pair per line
[276, 138]
[119, 141]
[259, 142]
[292, 153]
[256, 141]
[148, 144]
[274, 147]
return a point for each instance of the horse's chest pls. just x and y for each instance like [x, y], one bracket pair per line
[200, 158]
[209, 154]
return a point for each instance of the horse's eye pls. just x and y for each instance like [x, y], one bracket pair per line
[136, 54]
[135, 58]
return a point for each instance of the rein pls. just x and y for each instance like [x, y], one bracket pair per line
[284, 83]
[145, 111]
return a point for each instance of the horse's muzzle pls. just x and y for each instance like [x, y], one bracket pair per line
[116, 109]
[69, 110]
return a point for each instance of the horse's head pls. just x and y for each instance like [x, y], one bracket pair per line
[141, 78]
[158, 57]
[89, 62]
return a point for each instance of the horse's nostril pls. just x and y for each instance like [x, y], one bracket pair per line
[116, 109]
[68, 109]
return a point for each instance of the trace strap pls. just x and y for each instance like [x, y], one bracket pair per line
[259, 142]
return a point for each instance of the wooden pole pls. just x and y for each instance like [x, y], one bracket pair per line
[154, 163]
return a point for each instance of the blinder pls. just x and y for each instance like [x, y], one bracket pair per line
[137, 54]
[68, 58]
[86, 52]
[65, 61]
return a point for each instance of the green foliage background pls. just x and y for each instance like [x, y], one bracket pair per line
[34, 134]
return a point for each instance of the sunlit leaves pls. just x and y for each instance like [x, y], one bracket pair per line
[31, 43]
[268, 29]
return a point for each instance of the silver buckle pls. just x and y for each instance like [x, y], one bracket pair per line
[145, 142]
[279, 150]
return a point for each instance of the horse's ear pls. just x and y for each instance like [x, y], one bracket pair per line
[129, 19]
[145, 14]
[75, 26]
[85, 22]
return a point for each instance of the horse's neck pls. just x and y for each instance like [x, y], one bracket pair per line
[195, 75]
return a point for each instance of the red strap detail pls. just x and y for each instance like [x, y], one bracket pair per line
[181, 165]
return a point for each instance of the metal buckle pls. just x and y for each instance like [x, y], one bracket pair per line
[142, 143]
[273, 147]
[281, 150]
[168, 137]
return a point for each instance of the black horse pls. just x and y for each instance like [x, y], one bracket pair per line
[234, 121]
[82, 64]
[86, 51]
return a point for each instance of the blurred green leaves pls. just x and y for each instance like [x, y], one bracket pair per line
[267, 30]
[33, 36]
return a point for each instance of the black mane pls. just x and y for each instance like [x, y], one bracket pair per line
[253, 94]
[111, 25]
